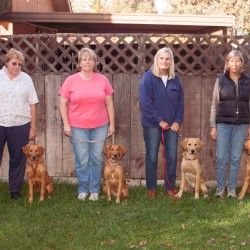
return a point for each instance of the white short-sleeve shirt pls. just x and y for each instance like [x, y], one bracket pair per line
[16, 96]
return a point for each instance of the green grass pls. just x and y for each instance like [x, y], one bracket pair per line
[66, 223]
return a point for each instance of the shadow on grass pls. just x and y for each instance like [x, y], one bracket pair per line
[67, 223]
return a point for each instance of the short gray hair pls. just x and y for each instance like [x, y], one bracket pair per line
[89, 52]
[234, 53]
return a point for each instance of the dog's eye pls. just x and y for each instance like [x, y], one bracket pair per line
[195, 144]
[189, 144]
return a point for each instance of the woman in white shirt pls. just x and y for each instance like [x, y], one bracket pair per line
[18, 101]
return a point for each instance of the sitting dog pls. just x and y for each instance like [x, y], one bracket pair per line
[191, 176]
[38, 178]
[114, 176]
[246, 186]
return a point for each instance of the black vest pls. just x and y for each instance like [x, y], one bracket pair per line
[231, 109]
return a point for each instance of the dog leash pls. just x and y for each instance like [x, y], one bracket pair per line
[34, 140]
[164, 158]
[163, 153]
[94, 141]
[180, 135]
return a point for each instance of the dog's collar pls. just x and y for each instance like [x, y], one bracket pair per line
[115, 163]
[186, 157]
[34, 162]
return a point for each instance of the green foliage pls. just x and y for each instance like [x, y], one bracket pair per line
[66, 223]
[114, 6]
[89, 6]
[4, 5]
[238, 8]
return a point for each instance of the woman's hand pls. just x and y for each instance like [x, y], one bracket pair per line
[213, 133]
[164, 125]
[111, 130]
[32, 134]
[67, 130]
[175, 126]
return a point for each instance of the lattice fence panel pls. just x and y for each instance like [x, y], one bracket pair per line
[124, 53]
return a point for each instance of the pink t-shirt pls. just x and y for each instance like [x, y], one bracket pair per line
[86, 100]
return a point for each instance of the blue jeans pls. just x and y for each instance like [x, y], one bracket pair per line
[88, 157]
[152, 138]
[229, 146]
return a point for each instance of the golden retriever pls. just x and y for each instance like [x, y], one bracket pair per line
[38, 178]
[114, 175]
[246, 186]
[191, 176]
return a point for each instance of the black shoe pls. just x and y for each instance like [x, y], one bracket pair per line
[15, 195]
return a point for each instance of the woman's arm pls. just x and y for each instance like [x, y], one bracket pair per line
[111, 114]
[32, 134]
[63, 104]
[215, 100]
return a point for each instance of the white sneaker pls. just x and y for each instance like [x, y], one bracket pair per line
[94, 197]
[219, 193]
[82, 196]
[231, 192]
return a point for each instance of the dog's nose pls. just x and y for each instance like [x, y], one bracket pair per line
[192, 151]
[115, 155]
[33, 158]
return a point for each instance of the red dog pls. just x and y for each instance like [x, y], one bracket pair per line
[246, 185]
[114, 176]
[38, 178]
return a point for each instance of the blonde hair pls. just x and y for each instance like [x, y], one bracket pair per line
[234, 53]
[89, 52]
[13, 53]
[155, 67]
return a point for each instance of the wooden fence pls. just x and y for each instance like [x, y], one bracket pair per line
[197, 63]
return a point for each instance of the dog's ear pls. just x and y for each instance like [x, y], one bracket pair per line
[122, 149]
[106, 150]
[247, 144]
[184, 143]
[200, 143]
[41, 149]
[26, 149]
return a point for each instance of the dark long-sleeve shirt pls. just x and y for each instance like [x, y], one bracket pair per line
[160, 103]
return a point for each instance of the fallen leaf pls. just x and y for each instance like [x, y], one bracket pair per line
[142, 243]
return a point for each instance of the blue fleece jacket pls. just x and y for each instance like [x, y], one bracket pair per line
[160, 103]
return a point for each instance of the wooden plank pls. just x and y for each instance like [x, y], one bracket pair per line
[122, 97]
[39, 86]
[137, 141]
[53, 132]
[207, 154]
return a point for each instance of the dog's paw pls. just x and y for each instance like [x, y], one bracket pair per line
[30, 201]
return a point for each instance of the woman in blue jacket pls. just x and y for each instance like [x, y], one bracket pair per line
[162, 102]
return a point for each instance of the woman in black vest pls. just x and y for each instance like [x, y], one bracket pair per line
[229, 121]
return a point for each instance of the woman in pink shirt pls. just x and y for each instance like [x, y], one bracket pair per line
[87, 111]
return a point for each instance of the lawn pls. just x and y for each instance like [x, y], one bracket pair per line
[66, 223]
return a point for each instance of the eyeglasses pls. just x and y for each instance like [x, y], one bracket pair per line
[15, 64]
